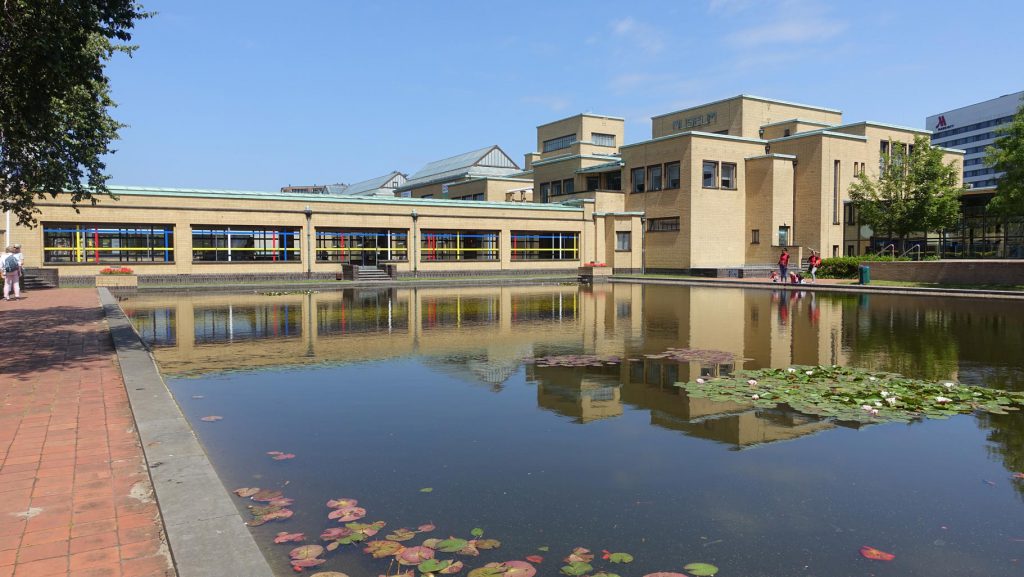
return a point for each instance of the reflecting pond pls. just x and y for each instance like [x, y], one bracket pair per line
[380, 394]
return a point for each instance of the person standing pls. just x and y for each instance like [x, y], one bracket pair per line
[784, 264]
[814, 262]
[21, 265]
[11, 270]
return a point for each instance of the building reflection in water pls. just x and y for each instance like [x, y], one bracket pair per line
[483, 335]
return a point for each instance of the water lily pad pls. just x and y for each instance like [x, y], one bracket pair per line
[433, 565]
[452, 545]
[306, 563]
[347, 514]
[329, 574]
[477, 532]
[453, 568]
[342, 503]
[402, 534]
[414, 555]
[427, 490]
[534, 558]
[211, 418]
[275, 516]
[381, 549]
[620, 558]
[519, 569]
[579, 554]
[432, 543]
[266, 495]
[486, 543]
[701, 569]
[306, 552]
[577, 568]
[332, 533]
[258, 510]
[487, 572]
[875, 554]
[283, 456]
[281, 502]
[286, 537]
[544, 548]
[665, 574]
[246, 491]
[426, 528]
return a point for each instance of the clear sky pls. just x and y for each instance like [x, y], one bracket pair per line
[255, 95]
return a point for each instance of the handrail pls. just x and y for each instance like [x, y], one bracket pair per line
[888, 246]
[917, 247]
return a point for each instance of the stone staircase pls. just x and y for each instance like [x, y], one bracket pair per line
[38, 279]
[369, 273]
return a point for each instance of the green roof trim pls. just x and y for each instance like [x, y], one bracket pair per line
[566, 157]
[799, 121]
[699, 134]
[822, 132]
[883, 125]
[774, 156]
[325, 198]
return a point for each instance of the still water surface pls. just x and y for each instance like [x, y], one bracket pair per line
[381, 393]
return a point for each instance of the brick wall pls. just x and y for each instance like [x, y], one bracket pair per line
[973, 272]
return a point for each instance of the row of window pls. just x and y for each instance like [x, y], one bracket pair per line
[559, 143]
[980, 172]
[655, 177]
[74, 243]
[967, 139]
[477, 196]
[977, 126]
[556, 188]
[755, 236]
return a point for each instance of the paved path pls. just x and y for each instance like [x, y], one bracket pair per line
[75, 497]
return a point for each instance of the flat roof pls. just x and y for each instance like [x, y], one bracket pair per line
[799, 120]
[1019, 96]
[753, 97]
[822, 132]
[591, 115]
[329, 199]
[882, 125]
[566, 157]
[698, 134]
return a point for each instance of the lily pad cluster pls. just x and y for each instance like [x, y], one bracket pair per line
[577, 361]
[703, 356]
[275, 507]
[851, 394]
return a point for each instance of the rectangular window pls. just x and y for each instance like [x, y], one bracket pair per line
[672, 175]
[848, 214]
[458, 245]
[638, 180]
[556, 188]
[559, 143]
[602, 139]
[623, 241]
[361, 246]
[613, 181]
[710, 178]
[107, 243]
[728, 176]
[663, 224]
[783, 236]
[593, 182]
[755, 236]
[545, 191]
[654, 177]
[835, 192]
[568, 186]
[246, 244]
[534, 245]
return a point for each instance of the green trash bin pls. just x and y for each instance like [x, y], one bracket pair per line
[865, 274]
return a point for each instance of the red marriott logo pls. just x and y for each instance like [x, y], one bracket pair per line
[941, 124]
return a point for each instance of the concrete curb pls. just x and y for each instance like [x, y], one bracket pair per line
[342, 285]
[205, 532]
[856, 289]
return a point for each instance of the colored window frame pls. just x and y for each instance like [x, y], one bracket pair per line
[459, 245]
[537, 245]
[246, 244]
[70, 243]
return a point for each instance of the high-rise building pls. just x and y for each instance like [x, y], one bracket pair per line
[972, 129]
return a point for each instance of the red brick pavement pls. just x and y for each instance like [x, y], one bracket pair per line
[75, 497]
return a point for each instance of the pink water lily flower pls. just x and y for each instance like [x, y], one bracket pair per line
[752, 382]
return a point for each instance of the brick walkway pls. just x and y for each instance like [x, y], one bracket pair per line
[75, 498]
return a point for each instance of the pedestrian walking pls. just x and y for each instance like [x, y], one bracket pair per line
[21, 264]
[784, 265]
[11, 270]
[813, 263]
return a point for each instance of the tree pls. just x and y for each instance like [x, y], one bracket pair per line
[916, 192]
[1007, 155]
[54, 98]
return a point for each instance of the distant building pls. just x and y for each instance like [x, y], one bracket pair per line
[380, 186]
[484, 174]
[308, 189]
[973, 128]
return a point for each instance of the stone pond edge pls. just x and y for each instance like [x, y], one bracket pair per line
[205, 532]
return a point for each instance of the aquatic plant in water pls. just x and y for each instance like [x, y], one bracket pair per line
[575, 361]
[851, 394]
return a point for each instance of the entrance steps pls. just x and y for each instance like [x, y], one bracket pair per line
[369, 273]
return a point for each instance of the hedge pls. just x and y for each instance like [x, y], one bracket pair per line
[846, 266]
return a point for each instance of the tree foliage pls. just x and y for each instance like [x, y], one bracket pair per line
[1007, 155]
[916, 192]
[54, 97]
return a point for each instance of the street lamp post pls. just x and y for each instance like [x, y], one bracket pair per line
[309, 241]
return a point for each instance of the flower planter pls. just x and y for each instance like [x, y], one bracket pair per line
[592, 274]
[117, 280]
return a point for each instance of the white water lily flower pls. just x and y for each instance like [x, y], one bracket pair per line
[878, 403]
[755, 397]
[885, 393]
[700, 381]
[874, 412]
[791, 370]
[872, 379]
[948, 385]
[943, 400]
[809, 373]
[892, 401]
[866, 407]
[752, 382]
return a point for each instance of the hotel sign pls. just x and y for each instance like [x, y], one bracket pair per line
[695, 121]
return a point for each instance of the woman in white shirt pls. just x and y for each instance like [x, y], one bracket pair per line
[10, 266]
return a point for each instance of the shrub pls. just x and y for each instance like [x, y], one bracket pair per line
[846, 266]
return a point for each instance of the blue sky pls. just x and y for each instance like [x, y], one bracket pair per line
[256, 95]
